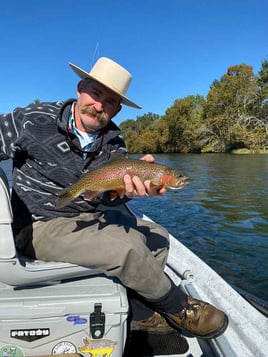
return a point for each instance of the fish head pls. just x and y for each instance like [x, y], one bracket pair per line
[173, 180]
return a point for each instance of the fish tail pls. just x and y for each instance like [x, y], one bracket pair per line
[64, 198]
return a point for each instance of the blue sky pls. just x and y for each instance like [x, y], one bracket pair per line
[173, 48]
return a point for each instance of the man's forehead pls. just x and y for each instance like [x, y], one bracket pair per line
[104, 90]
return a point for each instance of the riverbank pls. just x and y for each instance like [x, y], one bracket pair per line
[248, 151]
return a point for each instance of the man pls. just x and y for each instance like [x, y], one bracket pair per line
[52, 145]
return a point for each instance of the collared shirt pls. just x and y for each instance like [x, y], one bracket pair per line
[86, 139]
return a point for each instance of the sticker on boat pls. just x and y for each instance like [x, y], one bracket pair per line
[98, 347]
[11, 351]
[63, 347]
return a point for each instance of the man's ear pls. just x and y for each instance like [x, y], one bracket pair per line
[118, 109]
[80, 86]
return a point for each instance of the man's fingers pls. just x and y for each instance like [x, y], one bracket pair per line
[135, 187]
[140, 188]
[130, 190]
[148, 158]
[154, 190]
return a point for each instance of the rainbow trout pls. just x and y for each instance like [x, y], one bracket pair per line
[109, 177]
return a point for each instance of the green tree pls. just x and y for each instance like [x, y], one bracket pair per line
[262, 105]
[183, 121]
[36, 102]
[263, 81]
[233, 115]
[140, 135]
[229, 111]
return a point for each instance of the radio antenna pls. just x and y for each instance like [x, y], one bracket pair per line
[96, 54]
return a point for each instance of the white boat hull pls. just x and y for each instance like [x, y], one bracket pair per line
[247, 333]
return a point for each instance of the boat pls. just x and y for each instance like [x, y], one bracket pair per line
[53, 308]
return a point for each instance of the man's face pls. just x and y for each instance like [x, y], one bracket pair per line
[95, 107]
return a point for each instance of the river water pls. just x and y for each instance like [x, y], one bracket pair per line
[221, 215]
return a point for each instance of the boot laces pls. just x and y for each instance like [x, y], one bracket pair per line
[190, 309]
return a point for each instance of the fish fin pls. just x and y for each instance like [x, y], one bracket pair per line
[113, 195]
[121, 191]
[156, 186]
[88, 195]
[64, 198]
[117, 192]
[116, 156]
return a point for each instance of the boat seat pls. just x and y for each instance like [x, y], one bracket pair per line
[17, 270]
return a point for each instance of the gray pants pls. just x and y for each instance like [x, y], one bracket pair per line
[131, 249]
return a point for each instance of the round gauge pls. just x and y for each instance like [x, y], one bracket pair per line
[63, 347]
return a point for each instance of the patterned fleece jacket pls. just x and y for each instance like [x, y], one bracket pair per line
[46, 158]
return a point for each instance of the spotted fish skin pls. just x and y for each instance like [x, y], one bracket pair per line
[110, 177]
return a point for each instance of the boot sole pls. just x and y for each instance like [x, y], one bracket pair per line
[210, 335]
[151, 330]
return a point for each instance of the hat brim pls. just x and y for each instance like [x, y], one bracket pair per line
[83, 75]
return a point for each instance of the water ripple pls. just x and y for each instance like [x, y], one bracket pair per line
[222, 215]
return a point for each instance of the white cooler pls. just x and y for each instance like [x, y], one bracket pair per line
[86, 316]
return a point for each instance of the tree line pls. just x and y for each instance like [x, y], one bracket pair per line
[233, 115]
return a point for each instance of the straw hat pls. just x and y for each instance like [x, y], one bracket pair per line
[111, 75]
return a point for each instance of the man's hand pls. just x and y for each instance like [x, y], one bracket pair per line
[135, 187]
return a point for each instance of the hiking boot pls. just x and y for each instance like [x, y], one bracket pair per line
[200, 319]
[154, 324]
